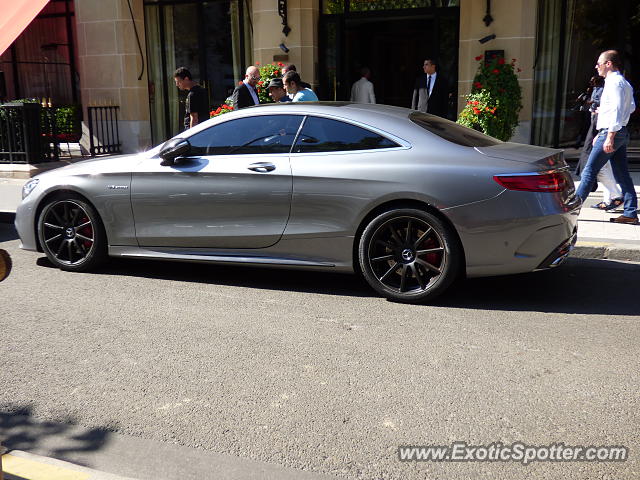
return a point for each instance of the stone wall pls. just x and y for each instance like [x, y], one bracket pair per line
[514, 24]
[109, 64]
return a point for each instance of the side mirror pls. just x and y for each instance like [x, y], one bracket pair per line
[173, 149]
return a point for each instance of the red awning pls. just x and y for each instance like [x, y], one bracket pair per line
[16, 16]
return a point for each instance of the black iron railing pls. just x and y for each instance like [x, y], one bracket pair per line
[103, 130]
[27, 133]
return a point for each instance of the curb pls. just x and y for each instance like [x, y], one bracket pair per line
[627, 252]
[28, 466]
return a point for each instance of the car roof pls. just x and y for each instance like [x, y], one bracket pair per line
[348, 109]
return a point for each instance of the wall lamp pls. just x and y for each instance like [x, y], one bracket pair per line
[487, 38]
[284, 48]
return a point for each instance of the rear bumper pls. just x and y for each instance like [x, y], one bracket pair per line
[560, 253]
[516, 232]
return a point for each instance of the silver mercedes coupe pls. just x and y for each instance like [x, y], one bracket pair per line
[408, 200]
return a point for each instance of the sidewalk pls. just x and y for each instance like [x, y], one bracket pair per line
[597, 237]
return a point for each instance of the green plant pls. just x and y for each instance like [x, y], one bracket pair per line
[268, 72]
[495, 99]
[67, 118]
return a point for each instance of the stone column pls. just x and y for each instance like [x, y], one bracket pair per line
[302, 41]
[514, 24]
[109, 64]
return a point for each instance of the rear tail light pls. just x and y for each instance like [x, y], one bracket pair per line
[544, 182]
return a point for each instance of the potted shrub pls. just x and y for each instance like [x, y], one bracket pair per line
[495, 99]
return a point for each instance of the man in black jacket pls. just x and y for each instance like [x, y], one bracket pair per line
[431, 91]
[197, 103]
[245, 94]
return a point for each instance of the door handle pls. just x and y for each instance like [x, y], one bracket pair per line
[262, 167]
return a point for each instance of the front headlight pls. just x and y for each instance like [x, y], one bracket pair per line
[29, 186]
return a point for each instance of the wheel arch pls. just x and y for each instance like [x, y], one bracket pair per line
[66, 192]
[404, 203]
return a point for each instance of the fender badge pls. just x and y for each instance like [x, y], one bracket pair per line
[117, 187]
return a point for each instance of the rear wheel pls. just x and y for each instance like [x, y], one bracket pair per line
[409, 255]
[71, 234]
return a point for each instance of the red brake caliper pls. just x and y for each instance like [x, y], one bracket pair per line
[87, 232]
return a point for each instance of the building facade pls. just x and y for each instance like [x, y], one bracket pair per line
[124, 52]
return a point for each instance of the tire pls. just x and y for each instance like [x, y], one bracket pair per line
[71, 234]
[409, 255]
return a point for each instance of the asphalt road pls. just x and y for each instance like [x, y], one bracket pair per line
[312, 371]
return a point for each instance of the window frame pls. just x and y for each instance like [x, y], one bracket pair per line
[217, 124]
[401, 143]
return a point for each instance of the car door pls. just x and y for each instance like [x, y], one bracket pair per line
[339, 168]
[233, 189]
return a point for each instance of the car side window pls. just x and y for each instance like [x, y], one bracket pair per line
[327, 135]
[261, 134]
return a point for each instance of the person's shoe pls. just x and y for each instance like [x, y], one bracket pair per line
[623, 219]
[615, 203]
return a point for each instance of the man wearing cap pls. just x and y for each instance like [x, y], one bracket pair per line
[277, 91]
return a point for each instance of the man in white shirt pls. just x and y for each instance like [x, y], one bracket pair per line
[616, 106]
[362, 90]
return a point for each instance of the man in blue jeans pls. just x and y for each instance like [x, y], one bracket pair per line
[616, 105]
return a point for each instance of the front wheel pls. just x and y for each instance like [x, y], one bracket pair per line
[409, 255]
[71, 234]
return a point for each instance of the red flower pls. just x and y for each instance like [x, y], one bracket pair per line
[280, 64]
[479, 57]
[276, 72]
[501, 61]
[240, 82]
[260, 82]
[476, 110]
[257, 63]
[476, 102]
[477, 85]
[259, 90]
[496, 71]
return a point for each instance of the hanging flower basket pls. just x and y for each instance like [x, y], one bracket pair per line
[495, 99]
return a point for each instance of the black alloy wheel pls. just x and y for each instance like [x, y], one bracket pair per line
[409, 255]
[71, 234]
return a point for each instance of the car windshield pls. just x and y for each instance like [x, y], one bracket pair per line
[451, 131]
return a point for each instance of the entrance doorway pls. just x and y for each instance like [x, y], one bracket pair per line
[206, 37]
[393, 45]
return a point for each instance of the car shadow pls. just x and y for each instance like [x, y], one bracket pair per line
[7, 230]
[580, 286]
[20, 430]
[328, 283]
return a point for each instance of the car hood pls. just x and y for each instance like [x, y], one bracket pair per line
[540, 158]
[111, 164]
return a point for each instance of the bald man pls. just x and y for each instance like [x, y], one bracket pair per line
[245, 94]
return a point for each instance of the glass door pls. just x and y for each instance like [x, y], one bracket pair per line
[208, 38]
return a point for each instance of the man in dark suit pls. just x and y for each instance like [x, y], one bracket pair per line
[431, 91]
[245, 94]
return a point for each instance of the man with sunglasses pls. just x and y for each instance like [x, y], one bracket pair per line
[610, 144]
[245, 95]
